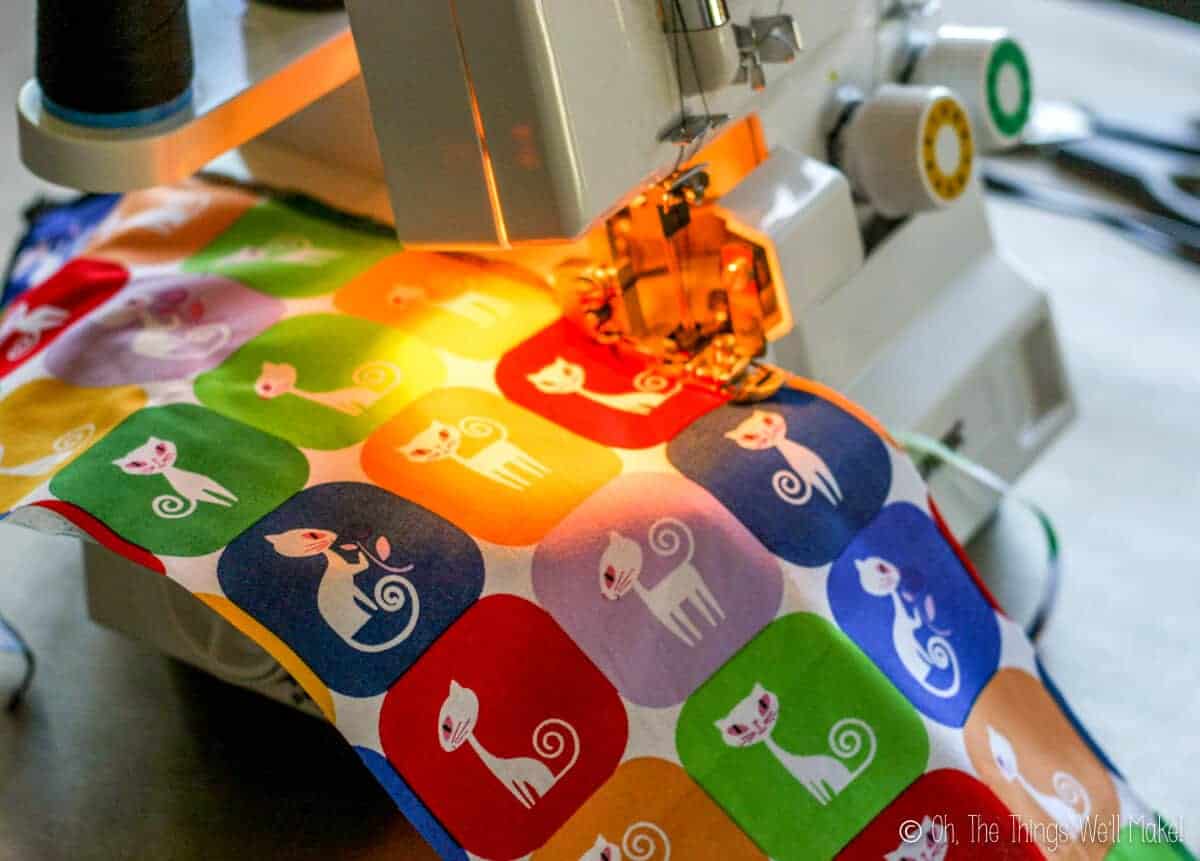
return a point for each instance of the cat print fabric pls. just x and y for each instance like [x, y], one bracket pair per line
[467, 454]
[801, 739]
[555, 744]
[650, 809]
[503, 728]
[802, 474]
[26, 328]
[945, 815]
[187, 489]
[901, 593]
[650, 388]
[41, 315]
[824, 775]
[682, 589]
[344, 606]
[1025, 750]
[162, 328]
[561, 604]
[805, 473]
[281, 251]
[640, 840]
[469, 308]
[373, 580]
[64, 447]
[156, 225]
[370, 383]
[1069, 805]
[182, 480]
[651, 577]
[499, 459]
[931, 842]
[46, 425]
[568, 378]
[321, 381]
[53, 239]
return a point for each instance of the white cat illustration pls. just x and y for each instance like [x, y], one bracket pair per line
[157, 457]
[342, 604]
[478, 308]
[764, 430]
[881, 578]
[560, 377]
[528, 779]
[753, 720]
[193, 342]
[1069, 806]
[29, 326]
[372, 381]
[62, 450]
[930, 844]
[643, 841]
[37, 262]
[621, 571]
[500, 461]
[293, 250]
[163, 333]
[171, 211]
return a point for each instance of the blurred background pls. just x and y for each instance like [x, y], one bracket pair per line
[1183, 8]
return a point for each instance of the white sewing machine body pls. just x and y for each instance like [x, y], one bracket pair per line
[931, 329]
[530, 129]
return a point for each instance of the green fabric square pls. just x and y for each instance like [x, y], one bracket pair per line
[221, 478]
[1150, 840]
[283, 252]
[322, 381]
[801, 739]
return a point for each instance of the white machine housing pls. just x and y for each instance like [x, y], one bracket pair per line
[568, 112]
[515, 127]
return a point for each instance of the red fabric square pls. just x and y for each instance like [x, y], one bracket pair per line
[973, 822]
[530, 692]
[590, 389]
[40, 315]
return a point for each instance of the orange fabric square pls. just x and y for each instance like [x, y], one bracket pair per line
[157, 225]
[472, 308]
[1027, 752]
[650, 809]
[500, 473]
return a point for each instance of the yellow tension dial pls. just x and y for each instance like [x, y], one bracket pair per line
[947, 148]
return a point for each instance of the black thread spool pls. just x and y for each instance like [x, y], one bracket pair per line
[306, 5]
[114, 63]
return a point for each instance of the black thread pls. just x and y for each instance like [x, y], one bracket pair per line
[918, 47]
[115, 56]
[305, 5]
[677, 21]
[833, 141]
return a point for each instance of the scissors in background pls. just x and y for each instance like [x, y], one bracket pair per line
[1155, 165]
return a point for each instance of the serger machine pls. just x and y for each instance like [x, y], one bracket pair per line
[721, 185]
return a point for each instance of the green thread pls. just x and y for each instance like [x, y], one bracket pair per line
[919, 444]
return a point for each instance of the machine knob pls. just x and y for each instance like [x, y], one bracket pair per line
[907, 149]
[990, 72]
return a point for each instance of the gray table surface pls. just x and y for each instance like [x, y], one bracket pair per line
[122, 753]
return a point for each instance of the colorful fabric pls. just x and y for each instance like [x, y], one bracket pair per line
[57, 232]
[561, 606]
